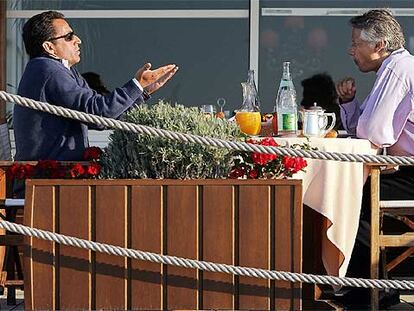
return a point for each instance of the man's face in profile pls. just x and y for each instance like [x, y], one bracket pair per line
[363, 52]
[67, 44]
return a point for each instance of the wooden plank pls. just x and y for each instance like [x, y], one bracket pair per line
[110, 224]
[402, 240]
[11, 240]
[182, 228]
[165, 182]
[297, 227]
[254, 245]
[43, 252]
[218, 289]
[375, 232]
[396, 261]
[146, 234]
[75, 263]
[178, 215]
[3, 277]
[283, 245]
[27, 262]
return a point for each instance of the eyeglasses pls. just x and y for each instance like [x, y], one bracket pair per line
[68, 37]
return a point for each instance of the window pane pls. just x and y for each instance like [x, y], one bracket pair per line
[349, 4]
[312, 45]
[212, 54]
[125, 4]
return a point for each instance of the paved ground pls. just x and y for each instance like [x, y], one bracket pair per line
[19, 305]
[407, 302]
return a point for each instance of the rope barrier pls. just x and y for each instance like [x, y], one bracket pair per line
[191, 263]
[214, 142]
[205, 265]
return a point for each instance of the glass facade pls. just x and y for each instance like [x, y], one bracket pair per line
[213, 52]
[126, 4]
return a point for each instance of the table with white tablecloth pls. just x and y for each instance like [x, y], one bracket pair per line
[334, 189]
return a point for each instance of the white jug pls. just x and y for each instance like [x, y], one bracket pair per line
[315, 121]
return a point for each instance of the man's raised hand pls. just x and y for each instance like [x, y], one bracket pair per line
[152, 80]
[346, 89]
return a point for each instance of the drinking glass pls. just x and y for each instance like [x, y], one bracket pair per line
[221, 102]
[208, 109]
[249, 122]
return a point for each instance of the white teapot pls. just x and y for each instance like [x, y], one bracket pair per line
[315, 121]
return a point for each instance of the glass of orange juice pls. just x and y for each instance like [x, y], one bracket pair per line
[249, 122]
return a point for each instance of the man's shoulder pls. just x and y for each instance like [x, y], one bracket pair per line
[402, 60]
[401, 64]
[41, 69]
[44, 64]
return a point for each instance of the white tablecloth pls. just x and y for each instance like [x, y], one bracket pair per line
[334, 189]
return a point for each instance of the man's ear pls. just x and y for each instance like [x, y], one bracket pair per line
[380, 46]
[49, 47]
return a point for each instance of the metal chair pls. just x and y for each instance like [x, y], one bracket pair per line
[380, 240]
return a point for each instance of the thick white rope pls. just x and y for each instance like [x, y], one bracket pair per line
[205, 265]
[214, 142]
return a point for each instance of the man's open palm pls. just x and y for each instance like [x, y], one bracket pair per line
[152, 80]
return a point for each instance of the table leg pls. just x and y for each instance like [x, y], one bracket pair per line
[312, 263]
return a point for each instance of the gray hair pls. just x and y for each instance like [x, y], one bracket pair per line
[380, 25]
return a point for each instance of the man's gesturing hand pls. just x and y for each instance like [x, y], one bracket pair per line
[152, 80]
[346, 89]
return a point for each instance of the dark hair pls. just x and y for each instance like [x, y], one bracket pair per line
[380, 25]
[319, 88]
[38, 29]
[95, 83]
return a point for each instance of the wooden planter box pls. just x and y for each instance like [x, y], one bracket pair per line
[249, 223]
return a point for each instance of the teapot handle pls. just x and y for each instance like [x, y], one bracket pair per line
[331, 126]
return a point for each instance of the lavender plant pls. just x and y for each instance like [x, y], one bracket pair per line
[131, 155]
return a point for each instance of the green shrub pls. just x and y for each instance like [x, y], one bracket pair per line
[131, 155]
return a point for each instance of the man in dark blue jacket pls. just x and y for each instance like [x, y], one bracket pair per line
[49, 76]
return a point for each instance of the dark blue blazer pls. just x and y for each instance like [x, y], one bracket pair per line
[43, 136]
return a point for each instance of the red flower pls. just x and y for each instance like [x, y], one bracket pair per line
[236, 172]
[77, 170]
[269, 141]
[294, 164]
[253, 174]
[92, 153]
[300, 163]
[12, 171]
[93, 169]
[58, 173]
[288, 162]
[47, 164]
[21, 171]
[263, 158]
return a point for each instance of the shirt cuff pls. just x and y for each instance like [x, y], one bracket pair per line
[144, 93]
[138, 84]
[349, 107]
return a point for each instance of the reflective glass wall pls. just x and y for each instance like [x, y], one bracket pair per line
[208, 40]
[213, 42]
[314, 36]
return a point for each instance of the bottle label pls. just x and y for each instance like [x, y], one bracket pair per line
[289, 122]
